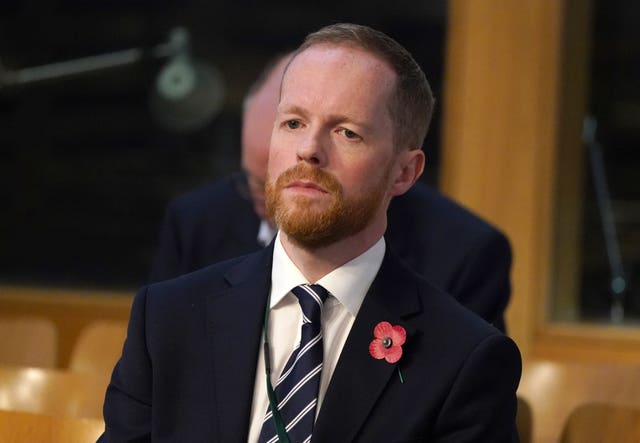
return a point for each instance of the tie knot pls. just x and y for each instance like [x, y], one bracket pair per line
[311, 299]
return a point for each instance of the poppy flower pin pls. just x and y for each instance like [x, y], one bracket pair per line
[387, 342]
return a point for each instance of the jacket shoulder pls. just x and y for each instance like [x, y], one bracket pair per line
[217, 276]
[222, 193]
[425, 206]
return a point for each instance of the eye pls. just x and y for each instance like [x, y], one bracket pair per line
[348, 133]
[293, 124]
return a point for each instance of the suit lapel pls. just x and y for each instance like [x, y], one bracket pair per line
[359, 380]
[235, 318]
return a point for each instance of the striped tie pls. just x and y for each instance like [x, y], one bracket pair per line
[297, 388]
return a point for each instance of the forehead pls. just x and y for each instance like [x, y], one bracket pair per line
[343, 77]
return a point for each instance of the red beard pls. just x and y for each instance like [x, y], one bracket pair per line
[313, 227]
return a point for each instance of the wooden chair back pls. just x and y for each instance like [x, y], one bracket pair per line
[602, 423]
[21, 427]
[50, 391]
[524, 421]
[28, 341]
[554, 389]
[98, 347]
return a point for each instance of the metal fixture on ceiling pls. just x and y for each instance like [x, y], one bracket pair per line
[187, 92]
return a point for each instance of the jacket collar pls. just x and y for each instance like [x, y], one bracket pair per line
[358, 377]
[392, 297]
[235, 340]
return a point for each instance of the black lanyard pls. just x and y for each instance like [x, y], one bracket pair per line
[273, 403]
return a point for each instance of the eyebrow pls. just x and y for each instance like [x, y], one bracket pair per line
[295, 109]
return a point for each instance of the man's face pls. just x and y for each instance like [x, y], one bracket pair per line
[332, 146]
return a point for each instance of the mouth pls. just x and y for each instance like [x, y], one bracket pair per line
[305, 186]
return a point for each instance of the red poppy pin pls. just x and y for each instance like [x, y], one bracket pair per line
[387, 342]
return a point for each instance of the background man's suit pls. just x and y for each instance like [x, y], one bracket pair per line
[188, 366]
[448, 245]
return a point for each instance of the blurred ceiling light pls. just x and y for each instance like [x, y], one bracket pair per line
[187, 93]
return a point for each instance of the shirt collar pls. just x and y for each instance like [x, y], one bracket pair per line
[265, 233]
[349, 283]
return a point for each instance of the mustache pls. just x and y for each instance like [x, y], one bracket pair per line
[303, 171]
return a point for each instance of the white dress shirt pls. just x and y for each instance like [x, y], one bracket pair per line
[266, 232]
[347, 287]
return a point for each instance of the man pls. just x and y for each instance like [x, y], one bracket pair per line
[379, 354]
[226, 218]
[439, 239]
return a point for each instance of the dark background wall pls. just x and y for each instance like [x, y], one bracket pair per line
[614, 103]
[85, 170]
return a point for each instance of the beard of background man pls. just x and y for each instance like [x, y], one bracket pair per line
[314, 228]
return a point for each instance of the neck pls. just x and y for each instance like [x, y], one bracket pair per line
[316, 263]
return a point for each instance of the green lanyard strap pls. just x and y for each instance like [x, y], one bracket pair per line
[273, 403]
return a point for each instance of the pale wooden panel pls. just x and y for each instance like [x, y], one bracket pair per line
[554, 389]
[51, 391]
[28, 341]
[500, 133]
[98, 348]
[21, 427]
[602, 423]
[588, 343]
[70, 310]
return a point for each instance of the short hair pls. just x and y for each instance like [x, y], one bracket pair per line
[411, 105]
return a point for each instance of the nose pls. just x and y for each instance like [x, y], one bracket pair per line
[312, 150]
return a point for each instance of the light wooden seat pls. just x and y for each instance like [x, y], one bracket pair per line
[98, 348]
[602, 423]
[524, 421]
[51, 391]
[28, 341]
[554, 389]
[22, 427]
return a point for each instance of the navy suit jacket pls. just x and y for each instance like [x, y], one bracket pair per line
[442, 241]
[188, 365]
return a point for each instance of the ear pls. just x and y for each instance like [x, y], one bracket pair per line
[408, 169]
